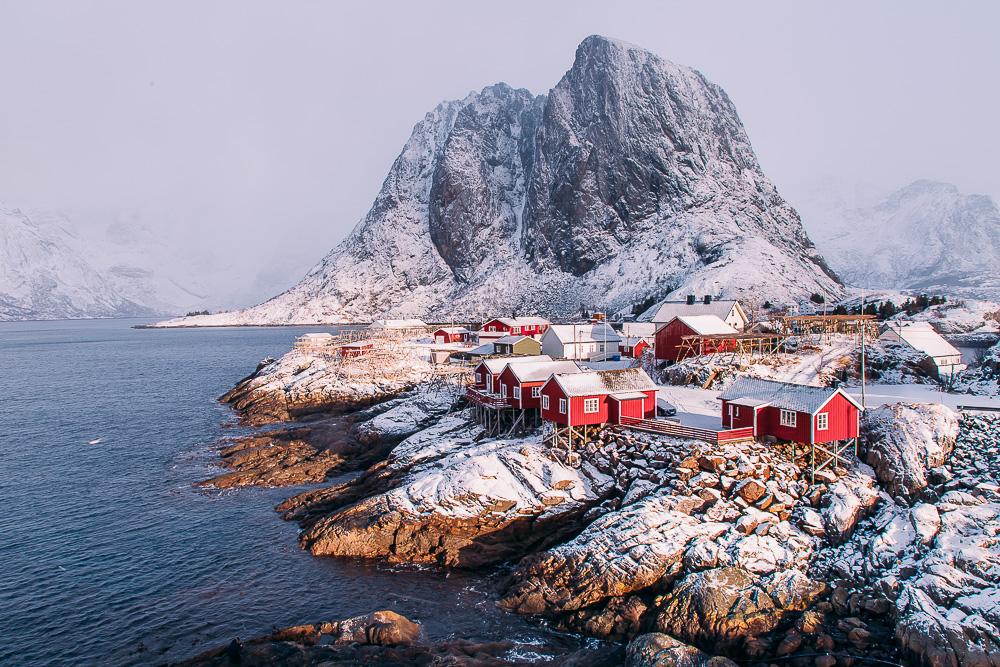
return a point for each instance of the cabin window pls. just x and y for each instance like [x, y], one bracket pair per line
[788, 418]
[562, 406]
[491, 328]
[536, 392]
[822, 421]
[503, 390]
[489, 383]
[479, 378]
[591, 405]
[545, 402]
[516, 330]
[517, 393]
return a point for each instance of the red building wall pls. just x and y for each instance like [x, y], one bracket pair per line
[668, 341]
[527, 330]
[843, 420]
[577, 417]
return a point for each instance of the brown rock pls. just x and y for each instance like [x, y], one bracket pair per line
[750, 490]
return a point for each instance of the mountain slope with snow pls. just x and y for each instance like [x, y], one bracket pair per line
[632, 178]
[44, 274]
[926, 236]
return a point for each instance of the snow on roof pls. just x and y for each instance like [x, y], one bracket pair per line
[453, 330]
[359, 343]
[585, 333]
[706, 324]
[627, 395]
[397, 324]
[798, 397]
[497, 364]
[520, 321]
[668, 310]
[922, 336]
[537, 371]
[604, 382]
[632, 341]
[510, 340]
[639, 329]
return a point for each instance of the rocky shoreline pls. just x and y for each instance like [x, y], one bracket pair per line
[673, 547]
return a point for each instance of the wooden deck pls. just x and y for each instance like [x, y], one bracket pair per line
[678, 430]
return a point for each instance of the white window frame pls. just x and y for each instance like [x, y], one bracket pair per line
[489, 383]
[503, 390]
[545, 401]
[823, 421]
[479, 378]
[536, 392]
[491, 328]
[788, 418]
[517, 392]
[562, 406]
[591, 405]
[516, 330]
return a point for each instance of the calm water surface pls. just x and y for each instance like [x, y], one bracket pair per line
[107, 553]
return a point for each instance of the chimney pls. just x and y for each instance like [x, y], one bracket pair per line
[708, 299]
[690, 299]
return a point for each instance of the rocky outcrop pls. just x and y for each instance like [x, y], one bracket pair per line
[455, 503]
[904, 442]
[933, 570]
[656, 649]
[386, 638]
[712, 548]
[632, 178]
[304, 382]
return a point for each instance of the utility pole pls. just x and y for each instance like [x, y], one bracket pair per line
[864, 336]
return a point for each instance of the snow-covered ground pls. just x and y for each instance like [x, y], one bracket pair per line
[884, 394]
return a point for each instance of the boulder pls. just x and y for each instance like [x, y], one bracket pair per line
[379, 628]
[847, 501]
[656, 649]
[903, 442]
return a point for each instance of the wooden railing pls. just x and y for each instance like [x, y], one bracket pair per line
[484, 399]
[678, 430]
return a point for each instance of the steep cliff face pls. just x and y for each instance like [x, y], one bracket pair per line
[927, 236]
[633, 177]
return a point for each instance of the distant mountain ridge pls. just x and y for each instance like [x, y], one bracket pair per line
[926, 236]
[632, 178]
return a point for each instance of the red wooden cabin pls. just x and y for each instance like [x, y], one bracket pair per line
[355, 349]
[668, 337]
[633, 347]
[522, 383]
[598, 397]
[517, 326]
[486, 376]
[452, 335]
[791, 412]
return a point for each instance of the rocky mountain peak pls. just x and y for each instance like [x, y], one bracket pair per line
[633, 177]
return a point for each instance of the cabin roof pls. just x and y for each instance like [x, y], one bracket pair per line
[922, 336]
[785, 395]
[604, 382]
[510, 340]
[520, 321]
[538, 371]
[585, 333]
[497, 364]
[668, 310]
[705, 325]
[453, 330]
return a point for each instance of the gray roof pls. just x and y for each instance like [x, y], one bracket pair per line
[798, 397]
[604, 382]
[510, 340]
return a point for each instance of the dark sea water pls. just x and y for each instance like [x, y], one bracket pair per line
[109, 556]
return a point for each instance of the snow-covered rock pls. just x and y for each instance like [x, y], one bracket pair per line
[849, 499]
[903, 442]
[462, 504]
[633, 177]
[656, 649]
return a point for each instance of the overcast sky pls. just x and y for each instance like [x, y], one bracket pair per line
[267, 127]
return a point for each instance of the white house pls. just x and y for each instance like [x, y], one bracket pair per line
[581, 341]
[944, 359]
[730, 312]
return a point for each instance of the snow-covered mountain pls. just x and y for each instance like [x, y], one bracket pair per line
[633, 178]
[45, 274]
[925, 236]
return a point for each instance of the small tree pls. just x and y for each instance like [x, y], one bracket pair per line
[817, 298]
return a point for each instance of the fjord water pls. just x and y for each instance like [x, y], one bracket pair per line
[109, 556]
